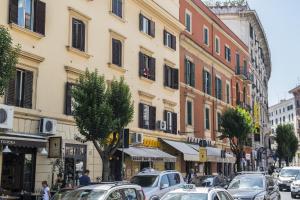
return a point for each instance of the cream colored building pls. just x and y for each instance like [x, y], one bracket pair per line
[53, 59]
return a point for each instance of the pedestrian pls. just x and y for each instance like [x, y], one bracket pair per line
[45, 193]
[190, 176]
[59, 182]
[85, 180]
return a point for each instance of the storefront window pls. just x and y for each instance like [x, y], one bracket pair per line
[207, 168]
[169, 166]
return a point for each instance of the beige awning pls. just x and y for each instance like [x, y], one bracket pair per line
[148, 154]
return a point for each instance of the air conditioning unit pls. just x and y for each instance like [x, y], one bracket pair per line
[48, 126]
[162, 125]
[137, 138]
[6, 116]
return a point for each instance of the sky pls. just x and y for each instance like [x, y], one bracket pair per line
[281, 22]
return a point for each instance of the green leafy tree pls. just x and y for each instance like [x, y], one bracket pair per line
[287, 143]
[236, 125]
[101, 113]
[8, 58]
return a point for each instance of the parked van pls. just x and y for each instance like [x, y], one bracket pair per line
[286, 176]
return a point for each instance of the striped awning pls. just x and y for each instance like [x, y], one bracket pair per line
[148, 154]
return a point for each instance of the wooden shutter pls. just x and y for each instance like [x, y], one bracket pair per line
[165, 37]
[166, 77]
[74, 35]
[174, 123]
[192, 74]
[175, 78]
[204, 81]
[152, 117]
[68, 103]
[186, 70]
[152, 68]
[141, 114]
[82, 38]
[13, 11]
[152, 28]
[216, 87]
[39, 17]
[28, 83]
[166, 119]
[11, 92]
[141, 64]
[209, 83]
[173, 42]
[141, 21]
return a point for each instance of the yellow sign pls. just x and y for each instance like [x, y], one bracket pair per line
[256, 114]
[202, 154]
[148, 142]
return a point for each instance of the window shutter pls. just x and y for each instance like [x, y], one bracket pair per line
[173, 42]
[120, 6]
[141, 21]
[175, 78]
[152, 68]
[68, 105]
[186, 70]
[40, 17]
[82, 38]
[204, 81]
[174, 123]
[141, 63]
[166, 77]
[220, 89]
[74, 35]
[13, 11]
[209, 83]
[165, 37]
[216, 87]
[11, 92]
[152, 28]
[141, 114]
[28, 82]
[152, 117]
[193, 74]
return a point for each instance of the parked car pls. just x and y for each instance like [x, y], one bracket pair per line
[295, 187]
[61, 193]
[254, 186]
[286, 176]
[191, 192]
[105, 191]
[211, 181]
[157, 183]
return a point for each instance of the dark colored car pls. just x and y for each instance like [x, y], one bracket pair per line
[254, 186]
[211, 181]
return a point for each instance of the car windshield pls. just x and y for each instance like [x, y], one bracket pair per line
[207, 182]
[61, 194]
[185, 196]
[145, 181]
[81, 194]
[289, 172]
[245, 182]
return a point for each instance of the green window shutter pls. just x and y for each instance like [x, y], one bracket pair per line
[203, 76]
[216, 87]
[209, 84]
[192, 74]
[220, 89]
[207, 122]
[186, 74]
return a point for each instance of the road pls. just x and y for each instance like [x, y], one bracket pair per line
[285, 196]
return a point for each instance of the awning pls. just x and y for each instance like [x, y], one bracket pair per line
[148, 154]
[189, 154]
[18, 140]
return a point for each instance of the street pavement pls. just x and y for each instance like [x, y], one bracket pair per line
[285, 195]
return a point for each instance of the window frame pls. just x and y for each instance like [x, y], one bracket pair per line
[122, 8]
[24, 8]
[189, 120]
[217, 48]
[228, 92]
[227, 53]
[207, 120]
[189, 13]
[206, 31]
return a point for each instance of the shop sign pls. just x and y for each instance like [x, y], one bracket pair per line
[199, 141]
[148, 142]
[8, 142]
[202, 154]
[55, 144]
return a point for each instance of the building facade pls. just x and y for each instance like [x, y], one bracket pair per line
[283, 113]
[136, 39]
[246, 24]
[212, 63]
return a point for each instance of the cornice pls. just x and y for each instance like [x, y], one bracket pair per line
[30, 56]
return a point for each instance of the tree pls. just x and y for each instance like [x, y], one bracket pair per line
[287, 143]
[236, 124]
[8, 59]
[101, 112]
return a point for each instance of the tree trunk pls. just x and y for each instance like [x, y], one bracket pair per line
[106, 169]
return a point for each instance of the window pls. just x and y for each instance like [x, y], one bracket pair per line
[283, 110]
[169, 166]
[238, 95]
[237, 60]
[251, 31]
[283, 119]
[280, 120]
[20, 89]
[147, 116]
[116, 52]
[117, 7]
[205, 36]
[257, 137]
[290, 107]
[228, 93]
[217, 45]
[292, 117]
[206, 82]
[189, 113]
[147, 66]
[188, 22]
[223, 196]
[289, 118]
[29, 14]
[171, 119]
[207, 119]
[174, 179]
[169, 40]
[164, 181]
[189, 73]
[219, 121]
[117, 194]
[279, 110]
[130, 193]
[244, 94]
[69, 99]
[218, 88]
[170, 77]
[272, 122]
[276, 121]
[147, 26]
[227, 54]
[78, 34]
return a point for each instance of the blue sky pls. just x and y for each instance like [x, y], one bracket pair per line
[281, 22]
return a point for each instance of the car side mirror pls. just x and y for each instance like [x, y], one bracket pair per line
[164, 186]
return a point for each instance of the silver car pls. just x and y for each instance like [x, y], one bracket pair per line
[157, 183]
[286, 176]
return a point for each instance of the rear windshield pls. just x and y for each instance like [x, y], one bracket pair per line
[81, 194]
[289, 172]
[145, 181]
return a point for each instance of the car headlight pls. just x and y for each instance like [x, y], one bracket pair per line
[259, 197]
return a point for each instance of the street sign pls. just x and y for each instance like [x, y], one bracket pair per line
[202, 154]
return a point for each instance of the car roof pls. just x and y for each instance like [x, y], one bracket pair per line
[204, 190]
[108, 186]
[250, 175]
[292, 167]
[155, 172]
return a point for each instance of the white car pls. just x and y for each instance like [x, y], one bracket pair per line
[191, 192]
[105, 191]
[286, 177]
[295, 187]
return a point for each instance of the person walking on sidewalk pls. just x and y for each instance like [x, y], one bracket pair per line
[85, 180]
[45, 191]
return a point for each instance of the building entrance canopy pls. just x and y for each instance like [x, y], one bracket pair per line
[142, 154]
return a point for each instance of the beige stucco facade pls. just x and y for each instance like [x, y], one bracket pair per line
[54, 63]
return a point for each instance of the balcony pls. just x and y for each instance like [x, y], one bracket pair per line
[250, 78]
[241, 72]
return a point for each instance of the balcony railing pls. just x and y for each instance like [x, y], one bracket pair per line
[241, 72]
